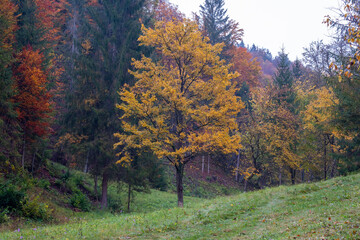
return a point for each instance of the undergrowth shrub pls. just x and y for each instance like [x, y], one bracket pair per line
[80, 201]
[115, 204]
[10, 197]
[4, 216]
[44, 183]
[35, 209]
[78, 180]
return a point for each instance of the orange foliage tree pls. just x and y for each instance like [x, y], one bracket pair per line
[32, 98]
[244, 63]
[49, 19]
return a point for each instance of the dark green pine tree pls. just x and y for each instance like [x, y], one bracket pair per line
[297, 69]
[29, 32]
[105, 45]
[285, 94]
[283, 77]
[9, 132]
[217, 25]
[347, 119]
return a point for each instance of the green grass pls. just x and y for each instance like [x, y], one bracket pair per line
[323, 210]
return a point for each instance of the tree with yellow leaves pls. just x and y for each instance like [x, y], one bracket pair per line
[183, 104]
[275, 133]
[319, 131]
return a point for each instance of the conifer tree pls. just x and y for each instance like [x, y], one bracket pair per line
[346, 84]
[285, 99]
[104, 43]
[283, 77]
[8, 129]
[217, 25]
[297, 69]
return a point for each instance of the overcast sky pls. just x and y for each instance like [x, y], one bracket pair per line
[272, 24]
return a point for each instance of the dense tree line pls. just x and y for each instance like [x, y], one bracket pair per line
[188, 89]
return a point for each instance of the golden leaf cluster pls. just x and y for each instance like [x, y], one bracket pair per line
[183, 104]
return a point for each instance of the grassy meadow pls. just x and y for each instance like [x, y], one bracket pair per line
[323, 210]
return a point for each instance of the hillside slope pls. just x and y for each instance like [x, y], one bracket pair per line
[323, 210]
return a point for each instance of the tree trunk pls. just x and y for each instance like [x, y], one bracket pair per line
[23, 155]
[302, 175]
[203, 164]
[96, 187]
[87, 162]
[179, 184]
[104, 186]
[333, 168]
[129, 198]
[245, 185]
[293, 175]
[325, 160]
[209, 164]
[237, 167]
[280, 176]
[334, 165]
[33, 162]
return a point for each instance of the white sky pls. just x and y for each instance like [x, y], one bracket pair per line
[272, 24]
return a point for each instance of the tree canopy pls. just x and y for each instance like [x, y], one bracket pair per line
[184, 103]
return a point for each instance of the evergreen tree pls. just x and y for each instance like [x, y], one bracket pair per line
[296, 69]
[29, 32]
[283, 77]
[105, 44]
[217, 24]
[285, 98]
[346, 84]
[8, 129]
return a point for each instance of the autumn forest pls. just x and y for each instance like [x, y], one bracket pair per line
[133, 92]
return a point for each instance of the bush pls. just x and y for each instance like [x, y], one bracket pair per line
[80, 201]
[10, 197]
[44, 183]
[4, 215]
[35, 210]
[78, 180]
[66, 176]
[115, 204]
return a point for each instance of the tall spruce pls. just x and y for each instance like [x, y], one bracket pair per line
[106, 43]
[217, 24]
[284, 76]
[8, 129]
[285, 97]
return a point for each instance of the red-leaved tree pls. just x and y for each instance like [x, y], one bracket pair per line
[32, 97]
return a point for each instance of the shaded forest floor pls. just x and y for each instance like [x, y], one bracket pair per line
[323, 210]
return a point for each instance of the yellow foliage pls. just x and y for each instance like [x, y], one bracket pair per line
[69, 138]
[276, 124]
[319, 111]
[182, 105]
